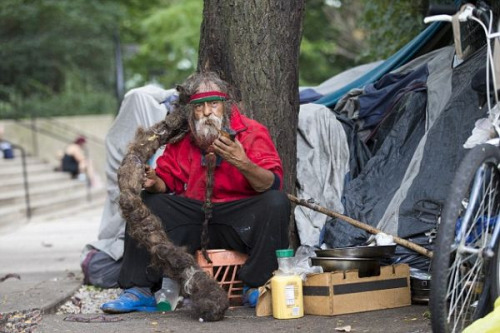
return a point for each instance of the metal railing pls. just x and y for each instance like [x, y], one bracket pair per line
[25, 176]
[64, 131]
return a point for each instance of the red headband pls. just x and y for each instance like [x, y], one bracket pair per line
[207, 97]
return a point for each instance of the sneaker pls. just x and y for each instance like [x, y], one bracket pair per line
[250, 296]
[130, 300]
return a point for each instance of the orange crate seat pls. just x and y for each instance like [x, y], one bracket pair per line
[224, 268]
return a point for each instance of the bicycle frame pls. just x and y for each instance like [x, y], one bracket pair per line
[462, 242]
[466, 13]
[471, 232]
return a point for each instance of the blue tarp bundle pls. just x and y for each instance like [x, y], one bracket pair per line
[398, 59]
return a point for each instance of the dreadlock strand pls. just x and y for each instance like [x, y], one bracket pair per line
[210, 159]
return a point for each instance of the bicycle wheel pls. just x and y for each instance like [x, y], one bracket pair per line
[460, 268]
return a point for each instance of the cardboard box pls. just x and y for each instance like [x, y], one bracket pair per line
[334, 293]
[264, 302]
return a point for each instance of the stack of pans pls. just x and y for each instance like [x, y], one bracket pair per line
[420, 288]
[365, 259]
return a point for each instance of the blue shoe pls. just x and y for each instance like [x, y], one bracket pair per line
[250, 296]
[130, 300]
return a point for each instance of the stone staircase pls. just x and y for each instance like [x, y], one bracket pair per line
[51, 193]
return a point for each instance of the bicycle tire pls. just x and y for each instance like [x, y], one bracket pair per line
[495, 273]
[450, 285]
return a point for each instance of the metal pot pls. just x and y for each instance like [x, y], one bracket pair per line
[365, 267]
[381, 251]
[420, 290]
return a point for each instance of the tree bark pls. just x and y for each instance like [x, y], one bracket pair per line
[254, 45]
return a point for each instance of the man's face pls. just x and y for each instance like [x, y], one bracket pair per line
[205, 109]
[208, 118]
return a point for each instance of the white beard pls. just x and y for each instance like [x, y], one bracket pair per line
[207, 130]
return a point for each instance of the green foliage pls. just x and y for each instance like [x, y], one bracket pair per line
[75, 98]
[45, 40]
[58, 55]
[168, 48]
[340, 34]
[391, 25]
[331, 40]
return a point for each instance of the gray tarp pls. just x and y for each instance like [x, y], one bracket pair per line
[140, 107]
[322, 164]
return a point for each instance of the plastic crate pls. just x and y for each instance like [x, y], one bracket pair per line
[224, 268]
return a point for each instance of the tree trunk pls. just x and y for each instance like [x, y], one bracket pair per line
[254, 45]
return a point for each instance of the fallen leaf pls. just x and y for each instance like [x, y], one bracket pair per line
[154, 323]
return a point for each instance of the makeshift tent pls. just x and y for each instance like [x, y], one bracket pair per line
[400, 58]
[416, 119]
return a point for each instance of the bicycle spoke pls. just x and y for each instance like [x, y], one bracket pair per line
[466, 271]
[461, 300]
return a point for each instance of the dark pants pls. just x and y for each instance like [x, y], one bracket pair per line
[70, 164]
[257, 226]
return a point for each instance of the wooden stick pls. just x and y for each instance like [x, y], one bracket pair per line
[403, 242]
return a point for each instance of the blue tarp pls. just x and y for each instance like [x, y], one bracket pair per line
[396, 60]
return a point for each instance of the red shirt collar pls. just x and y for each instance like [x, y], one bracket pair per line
[237, 123]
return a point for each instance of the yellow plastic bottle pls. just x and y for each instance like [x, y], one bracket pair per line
[286, 289]
[487, 324]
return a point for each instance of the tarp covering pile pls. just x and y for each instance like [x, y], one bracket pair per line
[386, 155]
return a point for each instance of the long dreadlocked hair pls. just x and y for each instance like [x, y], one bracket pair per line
[210, 301]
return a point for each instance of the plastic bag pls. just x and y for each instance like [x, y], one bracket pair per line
[300, 264]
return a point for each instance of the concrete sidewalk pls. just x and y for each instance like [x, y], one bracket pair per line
[45, 254]
[42, 260]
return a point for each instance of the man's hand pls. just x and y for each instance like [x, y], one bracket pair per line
[232, 151]
[152, 183]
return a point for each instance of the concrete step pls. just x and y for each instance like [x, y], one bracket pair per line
[34, 181]
[18, 161]
[86, 208]
[12, 216]
[18, 196]
[52, 193]
[16, 171]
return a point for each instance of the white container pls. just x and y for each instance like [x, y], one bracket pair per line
[168, 296]
[286, 289]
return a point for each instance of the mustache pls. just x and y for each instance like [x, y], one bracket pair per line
[210, 123]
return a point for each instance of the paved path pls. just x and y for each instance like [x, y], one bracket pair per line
[243, 320]
[45, 254]
[48, 245]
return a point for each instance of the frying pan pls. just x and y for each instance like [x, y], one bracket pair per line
[365, 267]
[380, 251]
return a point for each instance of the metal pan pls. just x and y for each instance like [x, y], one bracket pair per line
[382, 251]
[365, 267]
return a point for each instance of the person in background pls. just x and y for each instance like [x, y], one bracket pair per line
[5, 146]
[73, 160]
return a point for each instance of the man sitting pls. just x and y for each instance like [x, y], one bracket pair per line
[217, 187]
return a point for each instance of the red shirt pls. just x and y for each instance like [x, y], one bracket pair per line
[181, 170]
